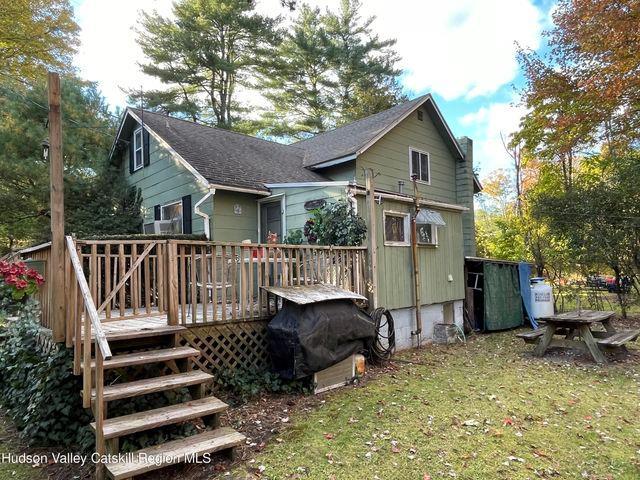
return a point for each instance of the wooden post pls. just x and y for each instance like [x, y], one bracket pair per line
[372, 239]
[56, 281]
[172, 282]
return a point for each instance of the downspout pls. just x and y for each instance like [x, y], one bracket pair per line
[416, 268]
[197, 211]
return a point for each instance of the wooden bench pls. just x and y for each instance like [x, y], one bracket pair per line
[618, 339]
[531, 336]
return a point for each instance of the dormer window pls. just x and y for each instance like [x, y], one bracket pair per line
[138, 150]
[419, 165]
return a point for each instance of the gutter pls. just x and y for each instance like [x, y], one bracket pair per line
[406, 199]
[197, 211]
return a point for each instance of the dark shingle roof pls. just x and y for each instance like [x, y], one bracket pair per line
[230, 158]
[349, 139]
[236, 160]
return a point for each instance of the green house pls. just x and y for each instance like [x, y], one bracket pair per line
[234, 187]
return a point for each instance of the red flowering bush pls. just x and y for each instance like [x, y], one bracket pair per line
[18, 281]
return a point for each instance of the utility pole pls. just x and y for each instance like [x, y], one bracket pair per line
[416, 261]
[372, 239]
[56, 180]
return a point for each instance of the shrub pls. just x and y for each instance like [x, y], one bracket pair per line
[42, 396]
[38, 389]
[294, 237]
[336, 224]
[244, 383]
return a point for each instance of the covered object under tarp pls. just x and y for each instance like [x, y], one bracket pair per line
[305, 338]
[493, 295]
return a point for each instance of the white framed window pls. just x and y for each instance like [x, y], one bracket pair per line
[138, 150]
[427, 233]
[419, 165]
[396, 229]
[173, 213]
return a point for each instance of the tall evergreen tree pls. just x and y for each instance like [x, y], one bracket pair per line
[203, 55]
[330, 69]
[298, 80]
[367, 80]
[90, 183]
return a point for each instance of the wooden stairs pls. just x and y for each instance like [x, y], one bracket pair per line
[159, 346]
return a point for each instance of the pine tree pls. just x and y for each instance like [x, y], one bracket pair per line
[298, 80]
[203, 56]
[367, 80]
[91, 186]
[329, 70]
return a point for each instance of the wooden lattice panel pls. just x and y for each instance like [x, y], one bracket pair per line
[230, 345]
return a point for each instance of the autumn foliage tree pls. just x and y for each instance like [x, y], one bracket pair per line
[583, 126]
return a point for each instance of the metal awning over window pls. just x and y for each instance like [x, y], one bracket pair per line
[430, 216]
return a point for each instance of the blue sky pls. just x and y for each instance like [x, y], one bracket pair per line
[462, 51]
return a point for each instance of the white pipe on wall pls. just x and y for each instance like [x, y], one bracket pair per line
[197, 211]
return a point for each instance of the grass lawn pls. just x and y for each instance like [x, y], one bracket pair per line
[9, 443]
[487, 410]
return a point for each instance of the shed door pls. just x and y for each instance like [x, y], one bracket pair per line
[270, 220]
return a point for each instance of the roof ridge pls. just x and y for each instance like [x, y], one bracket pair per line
[213, 127]
[355, 122]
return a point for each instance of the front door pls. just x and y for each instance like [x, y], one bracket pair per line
[270, 220]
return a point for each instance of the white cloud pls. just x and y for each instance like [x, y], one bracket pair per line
[457, 49]
[109, 53]
[487, 125]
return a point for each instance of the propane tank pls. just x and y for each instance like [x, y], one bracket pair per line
[541, 298]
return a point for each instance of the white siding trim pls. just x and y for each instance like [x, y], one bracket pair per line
[337, 183]
[331, 163]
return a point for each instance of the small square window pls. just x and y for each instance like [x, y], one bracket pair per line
[420, 115]
[396, 228]
[419, 165]
[427, 234]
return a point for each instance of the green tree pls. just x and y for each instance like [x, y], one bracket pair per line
[297, 81]
[600, 216]
[36, 35]
[364, 64]
[204, 54]
[88, 130]
[330, 69]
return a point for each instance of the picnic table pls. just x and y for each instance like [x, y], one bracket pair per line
[575, 330]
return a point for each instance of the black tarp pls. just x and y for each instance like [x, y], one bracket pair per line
[304, 339]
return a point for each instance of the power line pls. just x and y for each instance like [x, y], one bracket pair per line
[34, 87]
[98, 128]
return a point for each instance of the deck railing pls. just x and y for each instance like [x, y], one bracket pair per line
[200, 282]
[83, 315]
[221, 281]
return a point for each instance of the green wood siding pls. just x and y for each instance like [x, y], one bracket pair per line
[345, 172]
[229, 226]
[296, 215]
[395, 267]
[165, 180]
[389, 158]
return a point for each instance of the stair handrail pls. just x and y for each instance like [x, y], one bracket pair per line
[89, 305]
